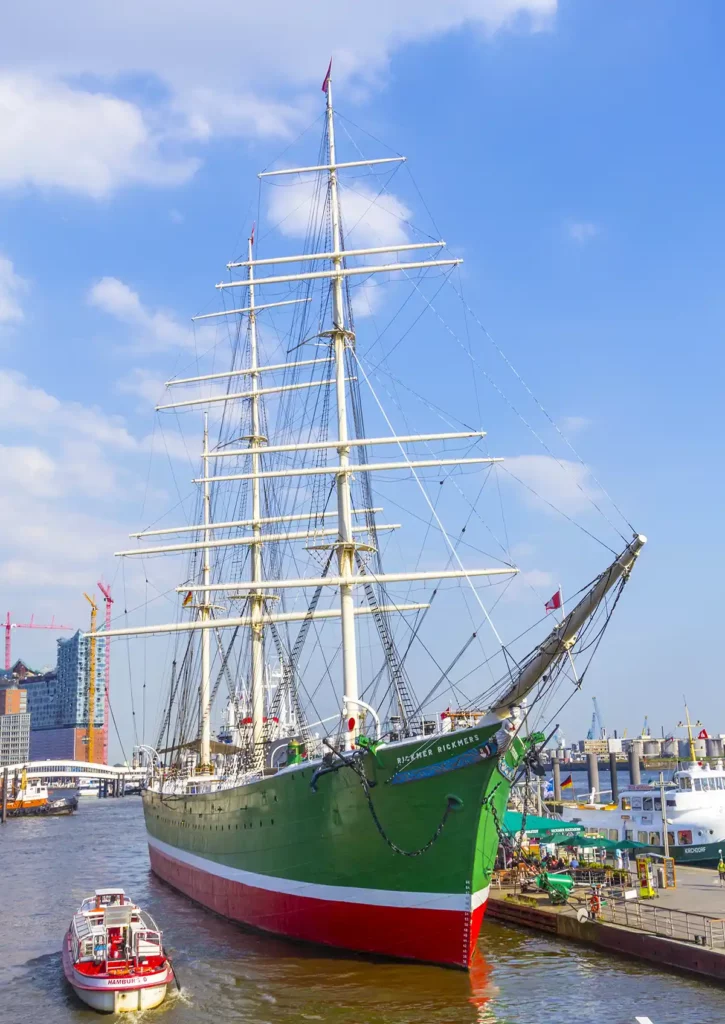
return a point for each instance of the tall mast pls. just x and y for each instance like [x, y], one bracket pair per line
[256, 597]
[205, 687]
[345, 544]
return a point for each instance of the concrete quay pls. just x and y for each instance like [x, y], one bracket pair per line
[681, 928]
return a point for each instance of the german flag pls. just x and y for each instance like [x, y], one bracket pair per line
[187, 601]
[567, 783]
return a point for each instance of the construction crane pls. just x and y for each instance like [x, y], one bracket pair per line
[8, 625]
[596, 729]
[105, 589]
[91, 676]
[645, 728]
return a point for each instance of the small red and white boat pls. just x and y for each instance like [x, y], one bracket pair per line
[113, 955]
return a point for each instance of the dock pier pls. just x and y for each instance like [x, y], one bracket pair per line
[682, 928]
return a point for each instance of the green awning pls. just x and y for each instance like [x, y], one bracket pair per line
[630, 844]
[552, 829]
[595, 842]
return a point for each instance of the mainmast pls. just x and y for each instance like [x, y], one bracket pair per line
[345, 542]
[205, 613]
[256, 597]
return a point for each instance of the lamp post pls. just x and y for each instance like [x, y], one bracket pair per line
[665, 837]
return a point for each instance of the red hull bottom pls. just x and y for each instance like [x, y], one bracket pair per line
[446, 937]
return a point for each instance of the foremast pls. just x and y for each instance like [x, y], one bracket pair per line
[205, 615]
[257, 599]
[345, 543]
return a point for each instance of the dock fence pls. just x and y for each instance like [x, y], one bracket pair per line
[671, 924]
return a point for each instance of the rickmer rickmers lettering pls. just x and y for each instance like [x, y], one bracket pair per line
[380, 836]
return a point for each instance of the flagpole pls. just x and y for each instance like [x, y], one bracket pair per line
[568, 650]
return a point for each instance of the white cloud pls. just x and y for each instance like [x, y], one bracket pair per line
[207, 112]
[56, 455]
[582, 231]
[55, 136]
[51, 545]
[564, 484]
[369, 220]
[12, 286]
[144, 384]
[152, 330]
[28, 471]
[31, 409]
[574, 424]
[230, 47]
[528, 587]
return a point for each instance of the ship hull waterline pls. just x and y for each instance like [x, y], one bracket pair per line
[315, 866]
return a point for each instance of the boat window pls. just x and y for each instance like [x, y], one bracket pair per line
[614, 834]
[654, 839]
[685, 782]
[629, 834]
[642, 837]
[698, 784]
[658, 803]
[720, 782]
[671, 838]
[684, 837]
[647, 803]
[636, 803]
[626, 803]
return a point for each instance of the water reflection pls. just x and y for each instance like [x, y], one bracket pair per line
[229, 975]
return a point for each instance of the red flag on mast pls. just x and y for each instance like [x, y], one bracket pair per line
[554, 602]
[251, 237]
[326, 81]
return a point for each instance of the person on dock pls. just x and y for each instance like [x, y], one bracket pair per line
[721, 869]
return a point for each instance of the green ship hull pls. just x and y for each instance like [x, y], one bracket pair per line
[397, 862]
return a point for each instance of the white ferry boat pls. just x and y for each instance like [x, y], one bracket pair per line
[113, 956]
[694, 811]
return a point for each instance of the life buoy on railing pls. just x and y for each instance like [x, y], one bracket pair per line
[595, 904]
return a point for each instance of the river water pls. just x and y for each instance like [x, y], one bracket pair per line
[228, 974]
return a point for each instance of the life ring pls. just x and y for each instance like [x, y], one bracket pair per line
[595, 904]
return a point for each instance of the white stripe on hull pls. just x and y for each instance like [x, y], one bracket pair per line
[314, 890]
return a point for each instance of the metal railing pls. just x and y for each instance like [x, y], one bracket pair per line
[671, 924]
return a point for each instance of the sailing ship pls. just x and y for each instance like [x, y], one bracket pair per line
[381, 837]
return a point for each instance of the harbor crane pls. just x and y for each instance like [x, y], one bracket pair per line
[596, 729]
[9, 626]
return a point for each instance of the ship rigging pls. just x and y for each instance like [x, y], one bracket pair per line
[393, 817]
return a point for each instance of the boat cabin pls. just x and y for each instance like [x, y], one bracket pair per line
[694, 809]
[110, 931]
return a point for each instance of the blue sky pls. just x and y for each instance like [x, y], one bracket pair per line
[571, 152]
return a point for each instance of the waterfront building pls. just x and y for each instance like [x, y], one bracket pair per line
[14, 726]
[58, 704]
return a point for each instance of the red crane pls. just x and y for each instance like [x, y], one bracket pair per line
[105, 589]
[25, 625]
